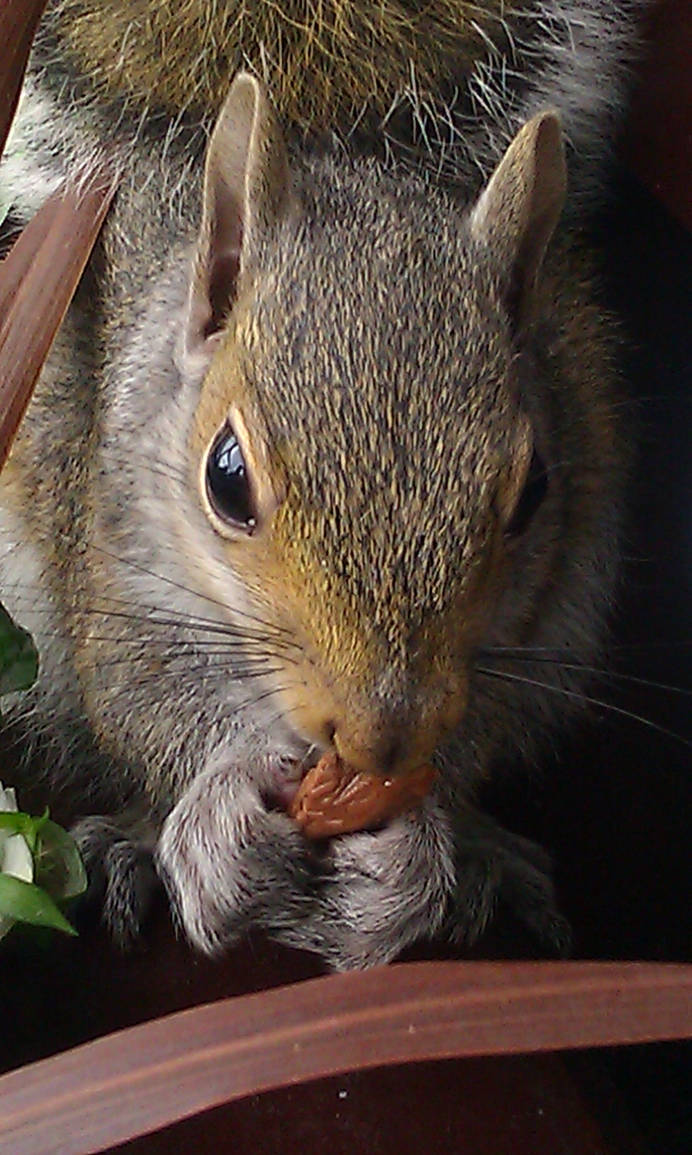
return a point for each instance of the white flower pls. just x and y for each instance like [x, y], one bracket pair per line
[15, 855]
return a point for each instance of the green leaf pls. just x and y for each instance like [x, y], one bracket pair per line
[26, 902]
[59, 867]
[18, 657]
[18, 822]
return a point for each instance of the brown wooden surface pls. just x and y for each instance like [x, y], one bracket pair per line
[55, 993]
[18, 23]
[38, 278]
[501, 1106]
[138, 1080]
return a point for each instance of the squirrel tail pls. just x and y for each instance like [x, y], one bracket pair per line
[444, 86]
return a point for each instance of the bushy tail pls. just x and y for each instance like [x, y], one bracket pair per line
[443, 86]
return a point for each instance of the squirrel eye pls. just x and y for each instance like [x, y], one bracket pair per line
[228, 487]
[531, 497]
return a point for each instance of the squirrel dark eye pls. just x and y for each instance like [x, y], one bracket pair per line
[532, 495]
[228, 487]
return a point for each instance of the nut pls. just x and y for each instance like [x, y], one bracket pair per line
[335, 798]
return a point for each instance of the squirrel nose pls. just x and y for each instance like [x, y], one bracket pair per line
[381, 754]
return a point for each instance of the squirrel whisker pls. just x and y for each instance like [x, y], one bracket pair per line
[598, 670]
[180, 586]
[577, 695]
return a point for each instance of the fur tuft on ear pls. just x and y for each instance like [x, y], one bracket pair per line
[516, 215]
[247, 190]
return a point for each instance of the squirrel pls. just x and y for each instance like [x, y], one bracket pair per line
[327, 452]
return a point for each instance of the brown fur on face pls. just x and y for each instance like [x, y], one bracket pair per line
[394, 454]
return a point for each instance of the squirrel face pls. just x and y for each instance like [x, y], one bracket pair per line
[359, 443]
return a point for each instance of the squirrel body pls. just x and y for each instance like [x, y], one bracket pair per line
[322, 437]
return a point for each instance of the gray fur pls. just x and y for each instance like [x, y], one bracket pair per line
[576, 57]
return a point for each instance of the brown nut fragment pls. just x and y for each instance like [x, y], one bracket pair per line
[335, 798]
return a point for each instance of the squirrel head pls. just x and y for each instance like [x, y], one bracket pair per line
[360, 446]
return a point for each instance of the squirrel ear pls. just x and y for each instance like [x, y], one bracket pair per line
[515, 216]
[246, 193]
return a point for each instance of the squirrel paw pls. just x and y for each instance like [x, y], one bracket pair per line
[496, 868]
[378, 892]
[122, 879]
[418, 878]
[225, 872]
[359, 900]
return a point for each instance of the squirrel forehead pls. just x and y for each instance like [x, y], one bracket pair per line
[375, 332]
[374, 447]
[383, 295]
[370, 353]
[380, 340]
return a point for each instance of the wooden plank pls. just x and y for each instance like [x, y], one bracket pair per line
[38, 279]
[141, 1079]
[18, 22]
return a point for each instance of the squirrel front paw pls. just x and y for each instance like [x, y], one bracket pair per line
[420, 877]
[497, 868]
[378, 892]
[359, 900]
[121, 874]
[229, 863]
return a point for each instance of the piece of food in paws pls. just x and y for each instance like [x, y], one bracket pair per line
[335, 798]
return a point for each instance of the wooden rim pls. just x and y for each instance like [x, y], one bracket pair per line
[144, 1078]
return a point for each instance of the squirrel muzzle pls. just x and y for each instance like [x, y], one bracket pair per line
[393, 730]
